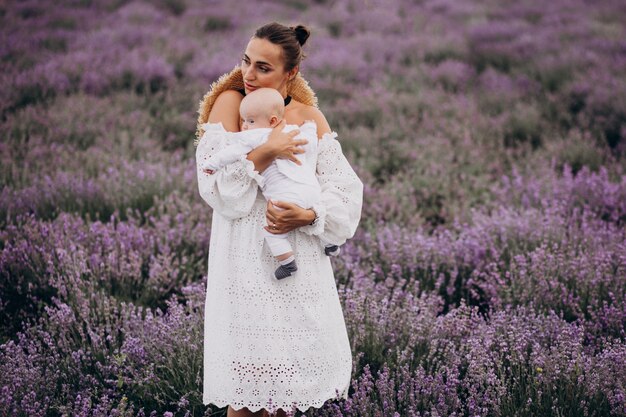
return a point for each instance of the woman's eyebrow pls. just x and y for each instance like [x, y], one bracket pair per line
[258, 62]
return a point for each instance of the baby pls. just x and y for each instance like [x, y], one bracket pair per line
[284, 180]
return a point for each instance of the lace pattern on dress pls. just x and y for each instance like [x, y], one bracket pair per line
[267, 339]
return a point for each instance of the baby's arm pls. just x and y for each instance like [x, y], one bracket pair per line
[228, 155]
[241, 144]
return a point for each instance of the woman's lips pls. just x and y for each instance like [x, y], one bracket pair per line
[249, 87]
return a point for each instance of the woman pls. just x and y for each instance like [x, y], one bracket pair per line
[271, 344]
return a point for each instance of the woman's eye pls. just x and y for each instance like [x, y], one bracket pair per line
[263, 69]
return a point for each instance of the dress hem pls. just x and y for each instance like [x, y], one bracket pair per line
[301, 407]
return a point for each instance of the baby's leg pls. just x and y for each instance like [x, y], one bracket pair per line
[279, 245]
[330, 249]
[282, 251]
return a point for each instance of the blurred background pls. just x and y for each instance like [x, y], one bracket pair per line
[487, 277]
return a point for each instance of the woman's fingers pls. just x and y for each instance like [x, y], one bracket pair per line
[297, 149]
[283, 216]
[297, 146]
[273, 222]
[273, 217]
[270, 213]
[276, 231]
[275, 209]
[285, 205]
[278, 214]
[292, 158]
[285, 145]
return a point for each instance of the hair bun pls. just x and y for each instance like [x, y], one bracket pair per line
[302, 34]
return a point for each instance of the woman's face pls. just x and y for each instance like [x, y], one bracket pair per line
[262, 66]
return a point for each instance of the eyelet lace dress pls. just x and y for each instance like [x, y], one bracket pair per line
[272, 343]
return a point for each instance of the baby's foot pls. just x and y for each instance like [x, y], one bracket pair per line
[285, 271]
[332, 250]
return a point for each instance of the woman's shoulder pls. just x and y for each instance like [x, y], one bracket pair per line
[306, 112]
[228, 97]
[226, 109]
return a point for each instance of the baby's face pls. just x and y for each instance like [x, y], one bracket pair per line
[254, 121]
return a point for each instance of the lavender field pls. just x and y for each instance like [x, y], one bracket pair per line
[487, 276]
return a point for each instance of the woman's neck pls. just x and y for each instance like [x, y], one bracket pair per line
[283, 91]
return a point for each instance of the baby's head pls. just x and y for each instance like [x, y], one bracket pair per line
[264, 107]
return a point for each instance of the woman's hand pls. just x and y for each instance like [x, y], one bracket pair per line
[278, 145]
[283, 217]
[283, 145]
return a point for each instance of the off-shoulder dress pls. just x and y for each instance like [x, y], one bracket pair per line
[274, 343]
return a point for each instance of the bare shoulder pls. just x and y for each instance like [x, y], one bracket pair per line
[226, 110]
[315, 114]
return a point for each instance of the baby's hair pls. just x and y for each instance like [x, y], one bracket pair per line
[270, 99]
[278, 108]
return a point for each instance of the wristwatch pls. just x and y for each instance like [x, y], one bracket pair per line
[314, 222]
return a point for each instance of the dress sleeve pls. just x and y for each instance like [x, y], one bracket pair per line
[238, 144]
[339, 209]
[228, 155]
[230, 191]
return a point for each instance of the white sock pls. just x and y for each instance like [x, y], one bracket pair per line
[288, 260]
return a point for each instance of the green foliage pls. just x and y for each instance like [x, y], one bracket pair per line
[524, 126]
[54, 44]
[577, 152]
[217, 23]
[444, 52]
[334, 28]
[176, 7]
[300, 5]
[63, 22]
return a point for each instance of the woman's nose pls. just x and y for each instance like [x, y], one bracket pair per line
[248, 73]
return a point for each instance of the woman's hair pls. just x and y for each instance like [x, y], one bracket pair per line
[289, 38]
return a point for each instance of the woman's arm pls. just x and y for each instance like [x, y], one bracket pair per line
[225, 110]
[339, 211]
[230, 191]
[287, 217]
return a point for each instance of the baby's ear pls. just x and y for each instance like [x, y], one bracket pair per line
[274, 121]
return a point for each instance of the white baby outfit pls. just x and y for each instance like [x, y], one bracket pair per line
[283, 180]
[283, 341]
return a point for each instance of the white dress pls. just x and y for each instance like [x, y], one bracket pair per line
[274, 343]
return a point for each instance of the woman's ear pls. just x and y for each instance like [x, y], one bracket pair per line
[293, 73]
